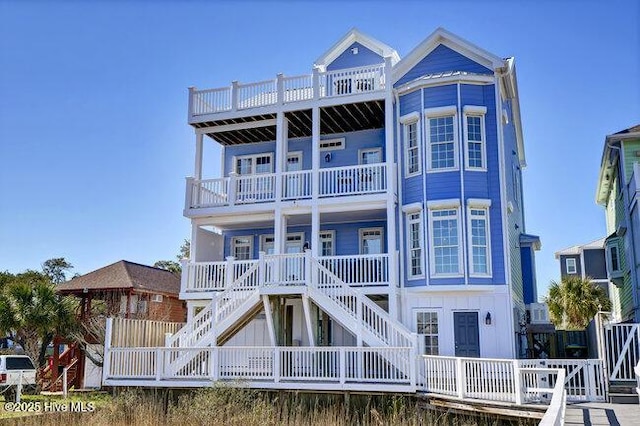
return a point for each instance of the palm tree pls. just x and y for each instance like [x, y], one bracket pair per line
[31, 313]
[574, 302]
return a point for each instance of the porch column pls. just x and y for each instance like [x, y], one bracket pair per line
[193, 251]
[315, 230]
[279, 231]
[281, 152]
[315, 152]
[197, 173]
[391, 192]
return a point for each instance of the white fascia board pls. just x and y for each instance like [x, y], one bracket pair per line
[353, 36]
[420, 82]
[411, 208]
[444, 110]
[410, 118]
[511, 85]
[442, 204]
[452, 41]
[474, 109]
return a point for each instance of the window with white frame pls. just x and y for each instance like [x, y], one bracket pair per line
[371, 241]
[412, 155]
[327, 243]
[479, 237]
[570, 265]
[442, 141]
[415, 244]
[427, 328]
[474, 131]
[242, 247]
[614, 266]
[445, 241]
[254, 164]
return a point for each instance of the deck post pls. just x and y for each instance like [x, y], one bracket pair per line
[231, 190]
[359, 318]
[315, 76]
[228, 273]
[413, 356]
[184, 277]
[214, 371]
[192, 99]
[460, 379]
[343, 366]
[276, 364]
[167, 338]
[188, 199]
[280, 88]
[261, 269]
[517, 382]
[106, 364]
[307, 266]
[159, 364]
[234, 95]
[307, 318]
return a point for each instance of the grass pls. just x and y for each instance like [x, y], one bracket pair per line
[230, 406]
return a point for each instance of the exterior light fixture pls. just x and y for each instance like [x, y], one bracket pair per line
[327, 157]
[487, 319]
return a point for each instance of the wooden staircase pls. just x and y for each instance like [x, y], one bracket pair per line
[68, 360]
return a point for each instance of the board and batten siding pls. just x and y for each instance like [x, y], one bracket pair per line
[348, 59]
[442, 59]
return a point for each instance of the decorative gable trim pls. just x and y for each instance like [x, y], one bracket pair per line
[355, 36]
[452, 41]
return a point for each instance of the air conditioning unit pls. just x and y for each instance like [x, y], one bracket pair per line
[156, 298]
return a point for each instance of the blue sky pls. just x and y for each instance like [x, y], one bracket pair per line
[95, 146]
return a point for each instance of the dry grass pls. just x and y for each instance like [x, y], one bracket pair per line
[240, 407]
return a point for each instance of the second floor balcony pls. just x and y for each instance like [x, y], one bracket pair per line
[295, 185]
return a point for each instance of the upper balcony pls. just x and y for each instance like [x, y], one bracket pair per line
[360, 84]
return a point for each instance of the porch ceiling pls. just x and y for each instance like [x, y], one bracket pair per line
[340, 118]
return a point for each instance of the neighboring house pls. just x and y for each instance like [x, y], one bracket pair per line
[585, 261]
[617, 192]
[367, 212]
[122, 289]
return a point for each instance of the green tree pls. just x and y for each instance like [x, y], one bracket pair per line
[574, 302]
[31, 313]
[56, 269]
[172, 265]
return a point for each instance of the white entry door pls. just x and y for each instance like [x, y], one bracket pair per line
[294, 182]
[294, 266]
[369, 176]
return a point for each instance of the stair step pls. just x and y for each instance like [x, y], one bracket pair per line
[623, 398]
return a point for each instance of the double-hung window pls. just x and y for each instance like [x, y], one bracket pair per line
[613, 260]
[444, 223]
[327, 243]
[412, 153]
[442, 138]
[570, 265]
[415, 246]
[474, 133]
[242, 247]
[479, 237]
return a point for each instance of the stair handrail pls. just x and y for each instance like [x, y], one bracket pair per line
[407, 337]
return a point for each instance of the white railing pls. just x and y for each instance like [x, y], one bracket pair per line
[208, 193]
[366, 313]
[359, 270]
[228, 301]
[210, 101]
[344, 82]
[584, 378]
[255, 188]
[296, 185]
[298, 88]
[285, 269]
[205, 276]
[554, 416]
[353, 180]
[352, 80]
[637, 371]
[277, 364]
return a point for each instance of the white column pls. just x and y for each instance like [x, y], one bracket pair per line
[315, 151]
[279, 231]
[197, 173]
[315, 230]
[391, 191]
[281, 152]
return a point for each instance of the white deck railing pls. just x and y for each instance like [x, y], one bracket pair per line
[261, 188]
[284, 90]
[363, 270]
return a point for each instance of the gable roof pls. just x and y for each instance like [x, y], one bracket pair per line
[608, 161]
[452, 41]
[630, 130]
[577, 249]
[124, 275]
[353, 36]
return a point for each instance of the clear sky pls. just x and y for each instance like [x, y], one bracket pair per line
[94, 141]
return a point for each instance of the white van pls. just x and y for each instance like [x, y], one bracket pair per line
[15, 369]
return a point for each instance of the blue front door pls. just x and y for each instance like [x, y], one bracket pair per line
[466, 334]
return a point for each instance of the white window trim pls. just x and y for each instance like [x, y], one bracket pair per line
[253, 157]
[408, 221]
[435, 113]
[613, 273]
[363, 150]
[236, 238]
[476, 204]
[341, 144]
[432, 257]
[475, 111]
[406, 121]
[570, 266]
[439, 317]
[361, 232]
[263, 238]
[332, 235]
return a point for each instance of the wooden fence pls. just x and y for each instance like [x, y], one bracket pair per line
[141, 333]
